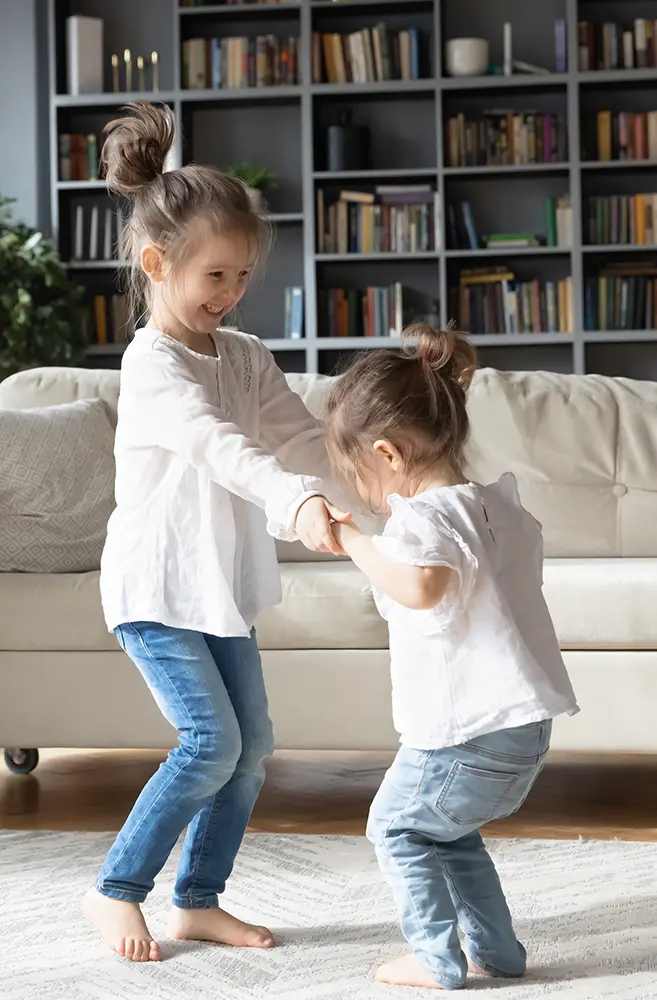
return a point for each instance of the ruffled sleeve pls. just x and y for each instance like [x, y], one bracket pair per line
[419, 535]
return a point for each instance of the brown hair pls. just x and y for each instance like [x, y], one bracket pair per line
[415, 398]
[164, 204]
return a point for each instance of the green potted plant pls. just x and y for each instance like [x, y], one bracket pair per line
[41, 317]
[255, 179]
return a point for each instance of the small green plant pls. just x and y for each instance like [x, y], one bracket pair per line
[253, 176]
[41, 316]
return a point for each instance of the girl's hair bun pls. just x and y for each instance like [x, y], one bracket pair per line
[136, 147]
[446, 352]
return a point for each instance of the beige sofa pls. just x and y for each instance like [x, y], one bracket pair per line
[584, 450]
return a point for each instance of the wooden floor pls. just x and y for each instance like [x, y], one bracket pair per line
[593, 797]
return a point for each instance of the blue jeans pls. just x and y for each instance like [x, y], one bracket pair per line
[212, 690]
[424, 825]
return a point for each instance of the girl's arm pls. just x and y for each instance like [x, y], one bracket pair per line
[420, 588]
[171, 411]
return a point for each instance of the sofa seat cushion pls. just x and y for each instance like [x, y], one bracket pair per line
[43, 611]
[325, 606]
[603, 603]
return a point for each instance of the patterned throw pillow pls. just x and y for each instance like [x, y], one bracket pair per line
[56, 487]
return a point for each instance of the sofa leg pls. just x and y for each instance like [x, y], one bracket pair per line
[20, 761]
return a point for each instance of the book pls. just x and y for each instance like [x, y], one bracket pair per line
[394, 219]
[84, 55]
[622, 135]
[240, 62]
[621, 219]
[108, 246]
[93, 233]
[505, 137]
[611, 45]
[494, 302]
[78, 233]
[560, 46]
[294, 313]
[621, 297]
[78, 157]
[376, 311]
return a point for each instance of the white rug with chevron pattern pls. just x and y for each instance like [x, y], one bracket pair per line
[587, 912]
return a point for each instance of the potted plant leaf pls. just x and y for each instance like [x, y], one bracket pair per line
[41, 316]
[255, 179]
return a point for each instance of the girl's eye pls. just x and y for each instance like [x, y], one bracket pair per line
[244, 275]
[216, 274]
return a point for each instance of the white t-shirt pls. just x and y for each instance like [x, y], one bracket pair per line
[487, 657]
[206, 451]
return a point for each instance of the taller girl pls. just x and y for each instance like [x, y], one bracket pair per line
[208, 437]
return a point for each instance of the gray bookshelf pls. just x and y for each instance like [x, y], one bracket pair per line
[282, 127]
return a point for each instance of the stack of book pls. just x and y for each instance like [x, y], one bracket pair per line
[376, 312]
[622, 297]
[611, 45]
[97, 233]
[78, 157]
[110, 320]
[623, 218]
[293, 328]
[490, 300]
[506, 138]
[239, 62]
[462, 231]
[620, 136]
[393, 219]
[367, 56]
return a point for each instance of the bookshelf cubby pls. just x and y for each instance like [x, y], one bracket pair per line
[285, 128]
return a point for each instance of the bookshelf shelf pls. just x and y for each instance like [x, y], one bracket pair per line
[237, 10]
[286, 128]
[327, 258]
[511, 252]
[503, 169]
[607, 248]
[111, 99]
[367, 175]
[518, 80]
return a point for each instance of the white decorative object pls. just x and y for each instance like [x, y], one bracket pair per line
[508, 49]
[84, 54]
[467, 56]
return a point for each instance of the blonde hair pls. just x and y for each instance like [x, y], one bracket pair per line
[415, 398]
[165, 204]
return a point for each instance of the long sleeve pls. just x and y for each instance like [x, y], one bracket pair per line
[176, 414]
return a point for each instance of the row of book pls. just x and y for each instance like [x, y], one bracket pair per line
[78, 156]
[374, 312]
[393, 219]
[623, 135]
[629, 219]
[97, 233]
[492, 301]
[506, 137]
[239, 62]
[622, 297]
[610, 45]
[367, 56]
[462, 233]
[109, 320]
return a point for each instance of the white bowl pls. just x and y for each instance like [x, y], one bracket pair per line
[467, 56]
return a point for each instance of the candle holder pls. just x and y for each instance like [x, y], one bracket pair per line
[127, 59]
[155, 72]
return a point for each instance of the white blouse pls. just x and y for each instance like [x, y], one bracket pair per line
[206, 454]
[487, 657]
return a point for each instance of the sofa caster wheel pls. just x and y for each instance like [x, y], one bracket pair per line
[21, 761]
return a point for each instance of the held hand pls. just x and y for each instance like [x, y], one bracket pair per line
[313, 525]
[344, 533]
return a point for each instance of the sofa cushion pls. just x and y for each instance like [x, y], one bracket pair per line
[41, 611]
[603, 603]
[56, 487]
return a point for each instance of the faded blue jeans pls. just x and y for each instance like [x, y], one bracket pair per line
[212, 690]
[424, 825]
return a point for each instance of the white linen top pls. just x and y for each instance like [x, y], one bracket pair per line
[204, 446]
[487, 657]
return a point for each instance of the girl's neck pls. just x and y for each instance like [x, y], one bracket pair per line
[435, 478]
[162, 319]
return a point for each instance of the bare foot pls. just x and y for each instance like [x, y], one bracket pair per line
[122, 925]
[219, 926]
[406, 971]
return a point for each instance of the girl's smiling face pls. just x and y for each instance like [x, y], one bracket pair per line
[206, 285]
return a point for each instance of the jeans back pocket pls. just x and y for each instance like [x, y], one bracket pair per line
[472, 796]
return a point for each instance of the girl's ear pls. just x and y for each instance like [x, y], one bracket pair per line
[152, 262]
[389, 453]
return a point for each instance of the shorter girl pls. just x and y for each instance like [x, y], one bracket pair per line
[477, 675]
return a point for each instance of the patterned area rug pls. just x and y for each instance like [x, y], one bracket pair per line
[587, 912]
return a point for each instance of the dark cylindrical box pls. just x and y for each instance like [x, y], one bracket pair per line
[348, 146]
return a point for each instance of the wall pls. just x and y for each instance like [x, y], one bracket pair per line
[23, 109]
